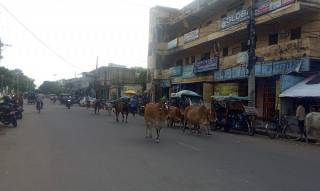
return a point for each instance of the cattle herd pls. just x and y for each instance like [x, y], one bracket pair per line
[156, 114]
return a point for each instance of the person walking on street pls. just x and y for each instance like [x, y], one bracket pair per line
[300, 115]
[133, 105]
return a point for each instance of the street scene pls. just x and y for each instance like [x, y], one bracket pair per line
[75, 149]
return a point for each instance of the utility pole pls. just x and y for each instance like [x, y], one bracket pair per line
[252, 55]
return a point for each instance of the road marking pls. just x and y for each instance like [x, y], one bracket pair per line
[189, 146]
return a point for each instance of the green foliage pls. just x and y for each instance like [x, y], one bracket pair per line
[51, 87]
[15, 79]
[143, 78]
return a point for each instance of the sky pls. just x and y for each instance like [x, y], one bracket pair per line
[59, 39]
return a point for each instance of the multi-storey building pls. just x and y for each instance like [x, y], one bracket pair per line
[203, 47]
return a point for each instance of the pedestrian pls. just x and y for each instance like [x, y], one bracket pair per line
[133, 105]
[300, 115]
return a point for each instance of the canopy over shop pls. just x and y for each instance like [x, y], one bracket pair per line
[308, 90]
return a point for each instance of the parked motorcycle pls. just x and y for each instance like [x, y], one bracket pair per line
[8, 114]
[16, 107]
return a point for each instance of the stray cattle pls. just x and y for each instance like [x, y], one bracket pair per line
[176, 115]
[312, 121]
[199, 116]
[108, 107]
[155, 115]
[123, 108]
[97, 105]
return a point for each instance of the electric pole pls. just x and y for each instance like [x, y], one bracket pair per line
[252, 55]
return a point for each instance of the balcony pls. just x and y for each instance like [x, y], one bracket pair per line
[213, 31]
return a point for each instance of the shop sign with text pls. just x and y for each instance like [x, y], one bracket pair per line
[193, 35]
[206, 65]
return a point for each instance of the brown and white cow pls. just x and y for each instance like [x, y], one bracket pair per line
[154, 115]
[199, 116]
[176, 115]
[312, 121]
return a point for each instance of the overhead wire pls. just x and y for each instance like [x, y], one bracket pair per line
[37, 38]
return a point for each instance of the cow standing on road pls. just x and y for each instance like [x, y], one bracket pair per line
[155, 114]
[199, 116]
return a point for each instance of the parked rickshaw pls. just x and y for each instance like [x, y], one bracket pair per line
[233, 113]
[184, 98]
[31, 97]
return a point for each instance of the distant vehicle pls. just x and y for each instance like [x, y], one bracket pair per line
[83, 102]
[31, 97]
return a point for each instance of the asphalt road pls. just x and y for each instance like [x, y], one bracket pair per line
[76, 150]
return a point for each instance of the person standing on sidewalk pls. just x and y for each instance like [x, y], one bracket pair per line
[300, 115]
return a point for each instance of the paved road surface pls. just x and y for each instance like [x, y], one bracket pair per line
[75, 150]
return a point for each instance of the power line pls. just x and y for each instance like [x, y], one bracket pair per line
[44, 44]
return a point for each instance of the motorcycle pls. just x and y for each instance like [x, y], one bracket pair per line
[141, 110]
[8, 114]
[68, 103]
[16, 107]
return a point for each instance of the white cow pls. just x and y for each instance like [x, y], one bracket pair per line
[312, 121]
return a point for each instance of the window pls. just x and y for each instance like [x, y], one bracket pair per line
[273, 39]
[296, 33]
[187, 61]
[205, 56]
[179, 62]
[225, 51]
[193, 59]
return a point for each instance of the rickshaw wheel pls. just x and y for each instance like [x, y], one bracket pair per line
[251, 129]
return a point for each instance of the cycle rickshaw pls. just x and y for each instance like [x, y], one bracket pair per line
[233, 113]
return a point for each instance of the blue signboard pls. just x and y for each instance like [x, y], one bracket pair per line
[175, 71]
[187, 72]
[206, 65]
[238, 72]
[265, 69]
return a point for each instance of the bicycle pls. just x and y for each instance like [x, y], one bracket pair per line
[275, 127]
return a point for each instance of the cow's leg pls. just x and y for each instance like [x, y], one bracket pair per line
[158, 133]
[184, 124]
[148, 127]
[127, 117]
[117, 115]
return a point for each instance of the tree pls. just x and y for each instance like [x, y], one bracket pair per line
[143, 79]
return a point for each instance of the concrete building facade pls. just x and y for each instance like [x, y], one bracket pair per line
[203, 47]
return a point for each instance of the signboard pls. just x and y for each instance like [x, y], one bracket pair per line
[266, 6]
[263, 6]
[206, 65]
[165, 83]
[265, 69]
[175, 71]
[187, 72]
[172, 44]
[234, 19]
[176, 79]
[286, 2]
[242, 57]
[226, 89]
[193, 35]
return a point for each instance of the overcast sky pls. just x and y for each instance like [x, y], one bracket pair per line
[56, 39]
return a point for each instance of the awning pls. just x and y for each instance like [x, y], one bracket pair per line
[310, 87]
